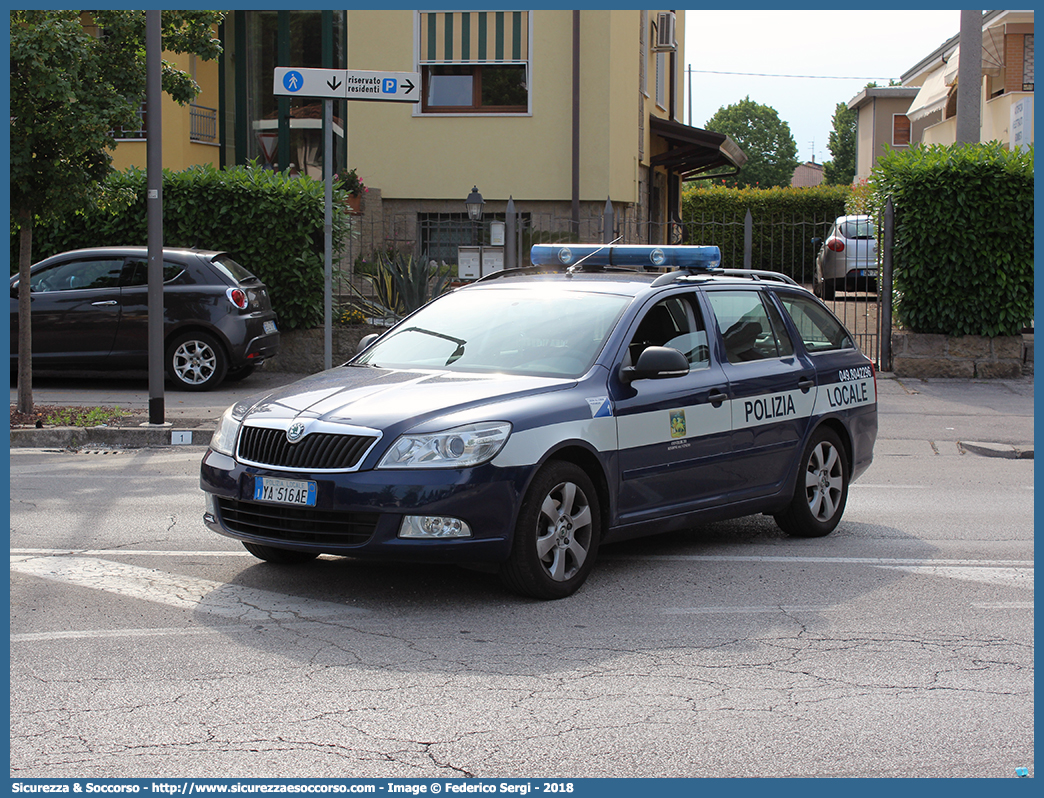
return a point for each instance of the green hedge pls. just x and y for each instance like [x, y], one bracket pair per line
[269, 222]
[963, 257]
[784, 220]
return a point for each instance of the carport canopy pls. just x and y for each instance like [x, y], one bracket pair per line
[692, 151]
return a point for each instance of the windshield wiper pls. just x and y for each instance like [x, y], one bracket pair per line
[457, 353]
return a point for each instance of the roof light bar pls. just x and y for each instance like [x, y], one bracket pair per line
[634, 256]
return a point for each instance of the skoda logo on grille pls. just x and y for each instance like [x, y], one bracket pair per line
[296, 432]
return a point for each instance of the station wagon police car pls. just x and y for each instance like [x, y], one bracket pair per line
[526, 419]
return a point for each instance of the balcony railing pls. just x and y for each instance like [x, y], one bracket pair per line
[127, 133]
[203, 124]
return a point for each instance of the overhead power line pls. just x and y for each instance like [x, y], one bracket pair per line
[768, 75]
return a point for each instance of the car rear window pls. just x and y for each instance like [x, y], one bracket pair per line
[231, 269]
[859, 228]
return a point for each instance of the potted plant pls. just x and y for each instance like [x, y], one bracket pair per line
[353, 184]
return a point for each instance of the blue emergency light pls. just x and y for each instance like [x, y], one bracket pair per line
[634, 256]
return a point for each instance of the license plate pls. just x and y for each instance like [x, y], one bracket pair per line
[270, 327]
[284, 491]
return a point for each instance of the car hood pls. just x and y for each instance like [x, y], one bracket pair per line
[384, 399]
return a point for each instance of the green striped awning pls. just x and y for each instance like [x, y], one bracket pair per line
[474, 36]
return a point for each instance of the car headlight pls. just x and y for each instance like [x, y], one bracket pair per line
[224, 438]
[460, 447]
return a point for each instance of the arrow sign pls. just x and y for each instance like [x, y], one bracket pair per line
[348, 84]
[307, 82]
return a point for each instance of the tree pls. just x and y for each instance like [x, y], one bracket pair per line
[842, 145]
[69, 89]
[764, 138]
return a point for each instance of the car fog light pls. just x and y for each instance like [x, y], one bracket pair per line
[210, 511]
[433, 526]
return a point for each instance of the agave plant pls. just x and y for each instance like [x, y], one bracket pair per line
[402, 283]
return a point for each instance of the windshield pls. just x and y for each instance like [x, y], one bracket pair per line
[542, 331]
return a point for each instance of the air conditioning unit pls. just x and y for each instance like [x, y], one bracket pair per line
[665, 35]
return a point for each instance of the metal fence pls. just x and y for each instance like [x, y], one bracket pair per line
[776, 243]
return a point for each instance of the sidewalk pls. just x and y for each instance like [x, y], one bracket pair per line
[938, 416]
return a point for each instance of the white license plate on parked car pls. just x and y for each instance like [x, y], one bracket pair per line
[284, 491]
[270, 327]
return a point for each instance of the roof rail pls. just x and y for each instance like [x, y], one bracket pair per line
[760, 274]
[753, 274]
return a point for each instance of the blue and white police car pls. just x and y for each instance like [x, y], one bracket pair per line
[531, 417]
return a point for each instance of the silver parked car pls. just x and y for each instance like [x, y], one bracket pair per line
[847, 259]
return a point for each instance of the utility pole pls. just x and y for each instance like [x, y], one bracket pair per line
[969, 78]
[154, 211]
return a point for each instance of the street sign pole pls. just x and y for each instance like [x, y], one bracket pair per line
[328, 234]
[340, 84]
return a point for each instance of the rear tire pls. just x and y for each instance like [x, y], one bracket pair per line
[556, 534]
[821, 491]
[196, 361]
[279, 556]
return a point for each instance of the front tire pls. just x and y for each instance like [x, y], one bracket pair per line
[821, 491]
[279, 556]
[557, 534]
[196, 362]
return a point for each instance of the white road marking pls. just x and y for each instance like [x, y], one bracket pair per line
[174, 590]
[897, 562]
[1009, 577]
[95, 634]
[93, 569]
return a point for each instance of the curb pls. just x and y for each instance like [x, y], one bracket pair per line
[146, 436]
[1001, 450]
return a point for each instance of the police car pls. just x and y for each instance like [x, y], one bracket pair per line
[535, 415]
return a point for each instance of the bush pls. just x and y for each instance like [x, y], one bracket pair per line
[963, 256]
[784, 220]
[269, 222]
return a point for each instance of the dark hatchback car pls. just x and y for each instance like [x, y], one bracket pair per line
[526, 419]
[90, 311]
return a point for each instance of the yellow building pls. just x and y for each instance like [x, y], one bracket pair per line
[559, 110]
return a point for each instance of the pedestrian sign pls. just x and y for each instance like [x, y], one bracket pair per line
[347, 84]
[293, 80]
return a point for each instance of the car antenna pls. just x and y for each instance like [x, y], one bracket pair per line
[576, 266]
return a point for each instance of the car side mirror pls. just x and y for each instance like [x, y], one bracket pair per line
[365, 341]
[656, 363]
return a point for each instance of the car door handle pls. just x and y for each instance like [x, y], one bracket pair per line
[106, 302]
[806, 384]
[717, 397]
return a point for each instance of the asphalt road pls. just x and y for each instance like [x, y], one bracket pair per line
[143, 645]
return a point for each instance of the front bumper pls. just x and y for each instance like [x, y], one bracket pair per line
[358, 514]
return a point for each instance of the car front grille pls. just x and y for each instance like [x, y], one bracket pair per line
[297, 524]
[316, 451]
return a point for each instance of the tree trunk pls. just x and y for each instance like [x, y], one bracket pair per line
[25, 327]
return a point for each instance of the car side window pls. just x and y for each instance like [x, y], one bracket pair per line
[675, 322]
[818, 328]
[137, 272]
[751, 329]
[76, 275]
